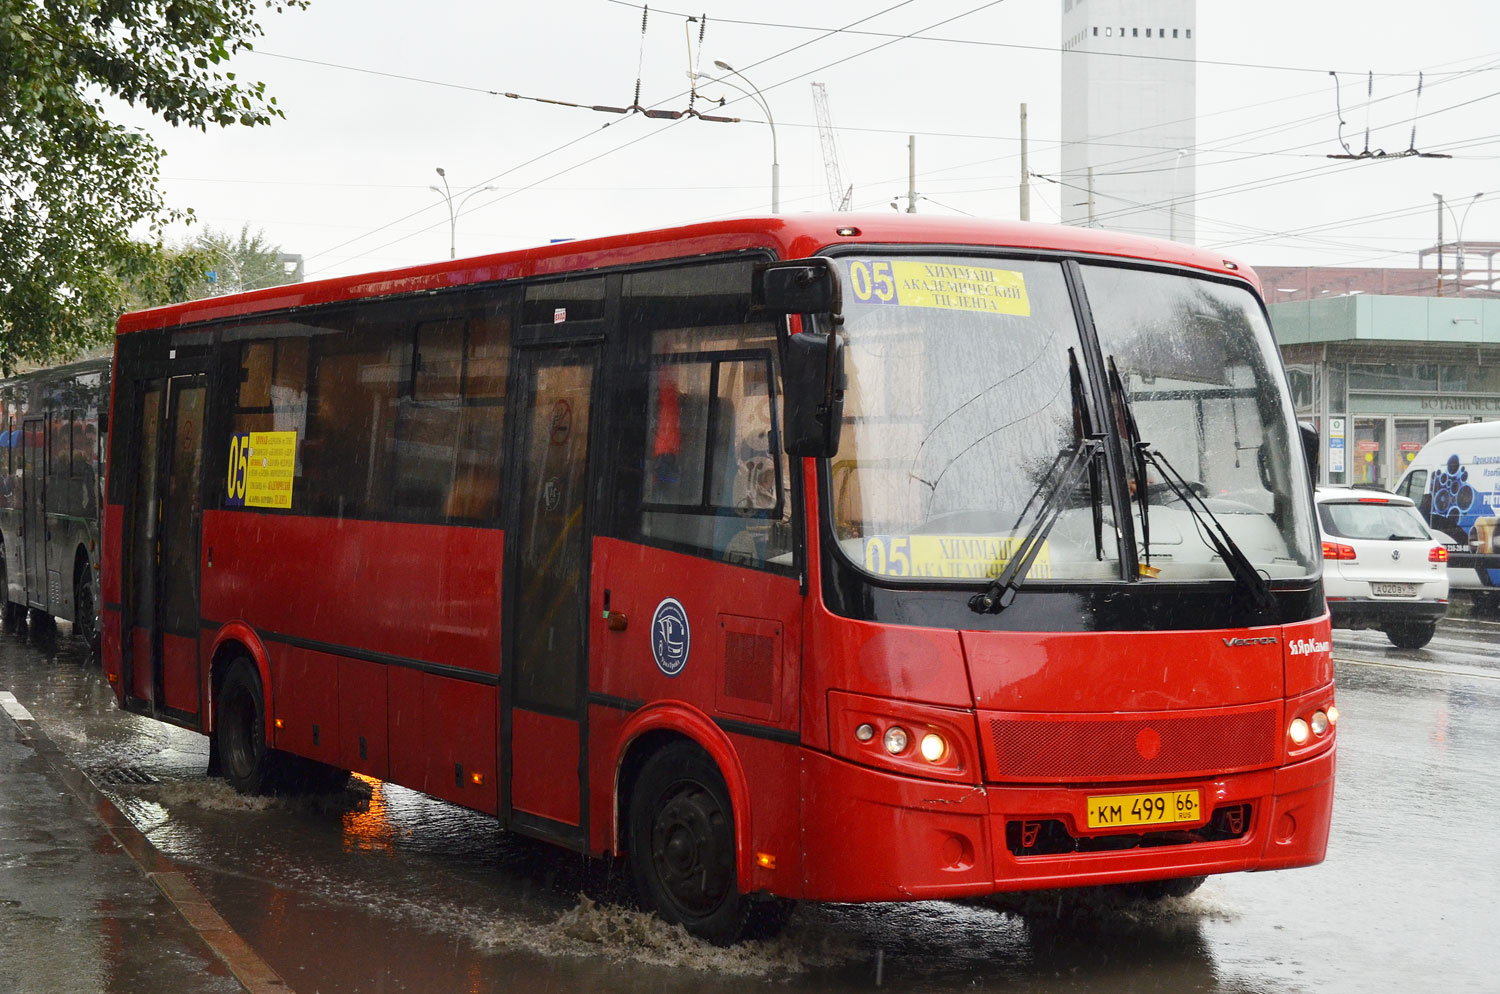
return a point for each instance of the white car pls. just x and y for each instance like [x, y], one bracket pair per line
[1382, 568]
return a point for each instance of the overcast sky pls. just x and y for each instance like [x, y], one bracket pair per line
[378, 93]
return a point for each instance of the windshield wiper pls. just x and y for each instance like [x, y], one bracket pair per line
[1235, 560]
[1138, 457]
[1209, 526]
[1002, 590]
[1057, 483]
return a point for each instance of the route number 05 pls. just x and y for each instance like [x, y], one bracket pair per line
[239, 466]
[894, 560]
[872, 282]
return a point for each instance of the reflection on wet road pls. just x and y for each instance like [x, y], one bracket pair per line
[383, 889]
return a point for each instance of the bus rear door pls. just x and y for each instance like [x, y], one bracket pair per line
[163, 527]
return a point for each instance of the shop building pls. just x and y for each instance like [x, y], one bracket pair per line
[1380, 375]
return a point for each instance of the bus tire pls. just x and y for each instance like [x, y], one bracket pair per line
[245, 759]
[85, 614]
[682, 850]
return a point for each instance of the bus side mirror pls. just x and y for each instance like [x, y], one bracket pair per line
[814, 403]
[1310, 448]
[804, 286]
[813, 363]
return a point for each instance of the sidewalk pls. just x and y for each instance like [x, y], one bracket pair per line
[84, 906]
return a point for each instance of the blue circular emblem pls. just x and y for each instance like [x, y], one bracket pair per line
[670, 636]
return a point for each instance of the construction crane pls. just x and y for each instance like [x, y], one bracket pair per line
[840, 197]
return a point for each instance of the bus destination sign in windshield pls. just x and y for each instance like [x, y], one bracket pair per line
[954, 557]
[942, 285]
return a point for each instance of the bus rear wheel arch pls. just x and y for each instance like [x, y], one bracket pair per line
[239, 751]
[680, 843]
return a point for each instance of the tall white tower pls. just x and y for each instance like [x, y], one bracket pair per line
[1129, 112]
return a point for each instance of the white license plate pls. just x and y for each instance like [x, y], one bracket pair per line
[1394, 589]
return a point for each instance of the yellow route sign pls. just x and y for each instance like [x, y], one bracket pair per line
[955, 557]
[262, 465]
[943, 285]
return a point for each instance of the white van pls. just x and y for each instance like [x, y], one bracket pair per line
[1455, 483]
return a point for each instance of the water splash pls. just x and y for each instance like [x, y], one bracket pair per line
[594, 929]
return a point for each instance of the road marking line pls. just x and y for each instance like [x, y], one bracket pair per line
[1435, 671]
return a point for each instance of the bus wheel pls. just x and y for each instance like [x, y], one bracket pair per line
[245, 760]
[682, 853]
[86, 623]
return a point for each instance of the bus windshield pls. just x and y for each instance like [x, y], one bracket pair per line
[964, 396]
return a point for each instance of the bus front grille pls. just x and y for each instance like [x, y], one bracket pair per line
[1139, 746]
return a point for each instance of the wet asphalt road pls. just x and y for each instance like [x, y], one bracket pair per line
[383, 890]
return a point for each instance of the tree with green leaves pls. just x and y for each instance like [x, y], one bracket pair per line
[165, 275]
[244, 263]
[73, 184]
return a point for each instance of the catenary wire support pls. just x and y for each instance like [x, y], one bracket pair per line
[635, 107]
[695, 60]
[1378, 153]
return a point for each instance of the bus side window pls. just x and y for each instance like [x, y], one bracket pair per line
[272, 394]
[450, 426]
[713, 480]
[427, 426]
[354, 393]
[475, 492]
[702, 471]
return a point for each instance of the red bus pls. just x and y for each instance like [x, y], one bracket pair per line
[841, 558]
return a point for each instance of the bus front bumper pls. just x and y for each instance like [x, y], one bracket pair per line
[876, 836]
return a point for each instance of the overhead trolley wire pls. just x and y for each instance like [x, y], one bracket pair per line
[628, 144]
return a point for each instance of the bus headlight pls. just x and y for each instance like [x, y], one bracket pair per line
[1320, 723]
[904, 737]
[934, 749]
[1298, 731]
[896, 740]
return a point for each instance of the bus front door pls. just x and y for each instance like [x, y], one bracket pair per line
[547, 551]
[34, 511]
[161, 670]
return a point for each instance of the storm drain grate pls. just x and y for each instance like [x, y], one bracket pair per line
[121, 775]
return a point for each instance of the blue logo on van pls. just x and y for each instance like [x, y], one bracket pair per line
[671, 638]
[1455, 503]
[1455, 506]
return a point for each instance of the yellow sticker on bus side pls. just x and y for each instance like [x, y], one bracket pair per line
[943, 285]
[950, 557]
[262, 465]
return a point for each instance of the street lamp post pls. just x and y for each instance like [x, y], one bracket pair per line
[453, 211]
[1172, 224]
[1458, 224]
[775, 158]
